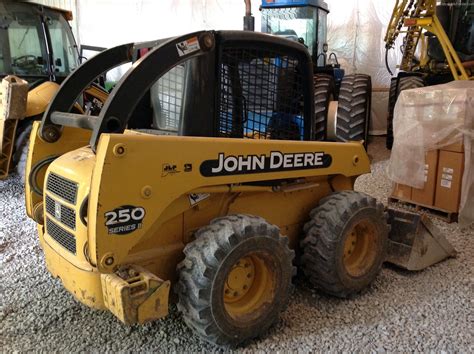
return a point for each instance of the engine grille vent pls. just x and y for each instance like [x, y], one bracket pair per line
[60, 212]
[62, 187]
[63, 237]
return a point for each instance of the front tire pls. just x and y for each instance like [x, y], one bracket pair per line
[235, 279]
[345, 243]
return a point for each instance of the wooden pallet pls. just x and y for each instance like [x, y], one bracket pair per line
[447, 216]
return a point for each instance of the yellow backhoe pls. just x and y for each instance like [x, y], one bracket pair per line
[37, 52]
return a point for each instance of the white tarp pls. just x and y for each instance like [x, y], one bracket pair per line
[355, 31]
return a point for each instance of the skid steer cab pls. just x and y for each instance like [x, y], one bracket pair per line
[200, 174]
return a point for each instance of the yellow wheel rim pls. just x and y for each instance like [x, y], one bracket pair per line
[360, 249]
[249, 286]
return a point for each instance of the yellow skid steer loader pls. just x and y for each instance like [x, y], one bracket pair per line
[201, 174]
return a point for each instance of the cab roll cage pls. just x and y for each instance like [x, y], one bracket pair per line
[164, 55]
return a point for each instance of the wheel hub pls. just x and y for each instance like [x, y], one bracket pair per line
[239, 280]
[360, 248]
[249, 286]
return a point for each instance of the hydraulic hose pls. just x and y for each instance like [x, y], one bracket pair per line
[386, 62]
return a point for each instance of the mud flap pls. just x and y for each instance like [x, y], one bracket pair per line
[415, 243]
[135, 295]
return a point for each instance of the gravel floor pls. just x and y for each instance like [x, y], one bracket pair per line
[401, 311]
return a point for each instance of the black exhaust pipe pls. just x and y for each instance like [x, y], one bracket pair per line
[249, 20]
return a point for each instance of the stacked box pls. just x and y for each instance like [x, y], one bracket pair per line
[449, 180]
[443, 180]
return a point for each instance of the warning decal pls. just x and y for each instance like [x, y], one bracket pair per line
[187, 47]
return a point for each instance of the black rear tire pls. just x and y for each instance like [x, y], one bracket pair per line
[213, 294]
[353, 112]
[323, 93]
[345, 243]
[404, 83]
[392, 98]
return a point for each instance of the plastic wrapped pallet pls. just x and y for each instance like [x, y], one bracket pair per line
[432, 118]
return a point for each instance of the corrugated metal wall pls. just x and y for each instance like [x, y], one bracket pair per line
[70, 5]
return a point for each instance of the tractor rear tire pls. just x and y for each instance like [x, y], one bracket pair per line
[353, 112]
[323, 93]
[404, 83]
[235, 280]
[345, 243]
[392, 98]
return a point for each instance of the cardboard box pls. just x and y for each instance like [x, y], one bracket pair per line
[400, 191]
[457, 147]
[449, 179]
[426, 195]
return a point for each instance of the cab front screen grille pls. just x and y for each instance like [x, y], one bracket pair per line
[62, 187]
[260, 95]
[61, 213]
[61, 236]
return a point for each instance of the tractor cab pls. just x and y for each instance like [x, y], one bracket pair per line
[37, 52]
[304, 21]
[36, 42]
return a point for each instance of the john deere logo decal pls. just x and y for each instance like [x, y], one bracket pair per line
[57, 211]
[277, 161]
[124, 219]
